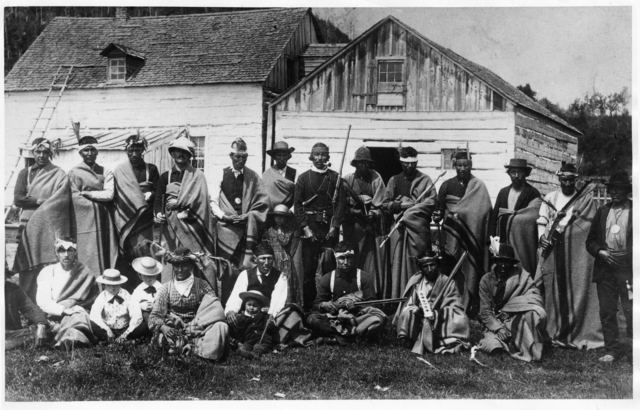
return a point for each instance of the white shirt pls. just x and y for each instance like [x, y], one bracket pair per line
[139, 295]
[51, 280]
[278, 297]
[513, 198]
[547, 214]
[116, 315]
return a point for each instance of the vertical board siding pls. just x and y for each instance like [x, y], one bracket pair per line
[490, 137]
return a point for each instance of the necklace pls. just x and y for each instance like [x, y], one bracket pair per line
[615, 229]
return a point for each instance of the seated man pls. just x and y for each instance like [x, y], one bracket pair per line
[65, 291]
[440, 327]
[17, 303]
[511, 309]
[335, 315]
[187, 315]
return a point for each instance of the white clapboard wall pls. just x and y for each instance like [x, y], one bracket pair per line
[490, 136]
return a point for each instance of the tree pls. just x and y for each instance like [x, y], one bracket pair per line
[528, 91]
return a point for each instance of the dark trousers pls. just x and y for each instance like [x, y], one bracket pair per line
[320, 325]
[610, 288]
[140, 331]
[311, 252]
[17, 338]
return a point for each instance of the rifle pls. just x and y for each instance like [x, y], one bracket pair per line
[339, 181]
[379, 302]
[400, 217]
[450, 278]
[552, 233]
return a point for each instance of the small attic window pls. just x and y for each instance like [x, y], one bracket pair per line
[123, 63]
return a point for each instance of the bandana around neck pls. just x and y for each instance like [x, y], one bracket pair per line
[184, 287]
[319, 171]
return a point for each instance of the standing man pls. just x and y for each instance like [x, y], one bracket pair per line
[514, 215]
[413, 236]
[610, 241]
[511, 309]
[182, 206]
[465, 205]
[92, 194]
[316, 215]
[279, 180]
[42, 191]
[565, 268]
[136, 182]
[240, 205]
[364, 218]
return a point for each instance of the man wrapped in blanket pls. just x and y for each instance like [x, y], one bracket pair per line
[335, 317]
[439, 325]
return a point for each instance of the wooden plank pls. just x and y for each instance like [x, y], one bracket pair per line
[412, 71]
[328, 89]
[435, 85]
[485, 117]
[339, 79]
[316, 100]
[383, 40]
[449, 83]
[544, 128]
[304, 96]
[461, 88]
[402, 42]
[348, 83]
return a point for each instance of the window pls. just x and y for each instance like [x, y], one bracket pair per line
[445, 159]
[117, 70]
[198, 159]
[292, 71]
[390, 83]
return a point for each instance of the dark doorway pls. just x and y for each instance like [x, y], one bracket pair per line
[387, 161]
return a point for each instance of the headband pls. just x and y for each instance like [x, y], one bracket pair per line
[65, 244]
[136, 140]
[409, 159]
[87, 146]
[344, 254]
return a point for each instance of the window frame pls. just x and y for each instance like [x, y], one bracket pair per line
[391, 88]
[200, 147]
[121, 70]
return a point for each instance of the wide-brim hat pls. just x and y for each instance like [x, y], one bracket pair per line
[281, 210]
[146, 266]
[506, 254]
[280, 146]
[567, 170]
[183, 144]
[518, 163]
[111, 277]
[362, 154]
[255, 294]
[619, 179]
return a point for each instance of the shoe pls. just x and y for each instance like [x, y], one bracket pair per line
[607, 358]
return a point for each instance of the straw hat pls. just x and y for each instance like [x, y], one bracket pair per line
[146, 266]
[282, 210]
[254, 294]
[111, 277]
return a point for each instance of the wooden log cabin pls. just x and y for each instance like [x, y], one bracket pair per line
[394, 86]
[212, 72]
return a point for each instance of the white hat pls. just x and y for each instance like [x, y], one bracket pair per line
[146, 266]
[111, 277]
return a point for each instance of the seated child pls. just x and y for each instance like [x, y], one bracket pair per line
[144, 295]
[114, 315]
[251, 323]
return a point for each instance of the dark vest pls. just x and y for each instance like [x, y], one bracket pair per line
[268, 282]
[232, 188]
[290, 174]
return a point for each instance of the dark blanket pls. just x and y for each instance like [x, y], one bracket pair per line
[129, 206]
[519, 229]
[42, 225]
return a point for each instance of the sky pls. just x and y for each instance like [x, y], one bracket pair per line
[562, 52]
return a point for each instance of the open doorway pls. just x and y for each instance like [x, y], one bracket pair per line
[387, 161]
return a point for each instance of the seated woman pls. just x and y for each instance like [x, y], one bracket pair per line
[187, 315]
[65, 291]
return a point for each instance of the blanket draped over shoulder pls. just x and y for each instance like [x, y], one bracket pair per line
[80, 290]
[287, 247]
[571, 299]
[92, 221]
[129, 205]
[52, 218]
[195, 232]
[368, 234]
[236, 242]
[522, 315]
[413, 236]
[278, 188]
[208, 331]
[519, 229]
[465, 227]
[451, 328]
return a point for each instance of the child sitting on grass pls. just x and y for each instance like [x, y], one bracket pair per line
[114, 315]
[251, 323]
[144, 295]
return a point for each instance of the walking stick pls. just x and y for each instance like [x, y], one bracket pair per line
[339, 181]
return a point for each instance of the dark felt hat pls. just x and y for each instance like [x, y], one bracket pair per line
[567, 170]
[518, 163]
[180, 255]
[280, 146]
[506, 254]
[255, 294]
[362, 154]
[619, 179]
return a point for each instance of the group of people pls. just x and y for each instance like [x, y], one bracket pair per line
[250, 262]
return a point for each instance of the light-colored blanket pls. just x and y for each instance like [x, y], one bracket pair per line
[521, 232]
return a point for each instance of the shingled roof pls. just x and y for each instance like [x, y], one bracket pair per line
[234, 47]
[489, 77]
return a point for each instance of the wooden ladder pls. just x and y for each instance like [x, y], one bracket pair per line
[44, 118]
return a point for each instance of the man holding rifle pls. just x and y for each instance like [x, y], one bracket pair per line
[565, 267]
[432, 319]
[337, 315]
[317, 215]
[413, 195]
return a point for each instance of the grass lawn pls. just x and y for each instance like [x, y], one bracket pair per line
[324, 372]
